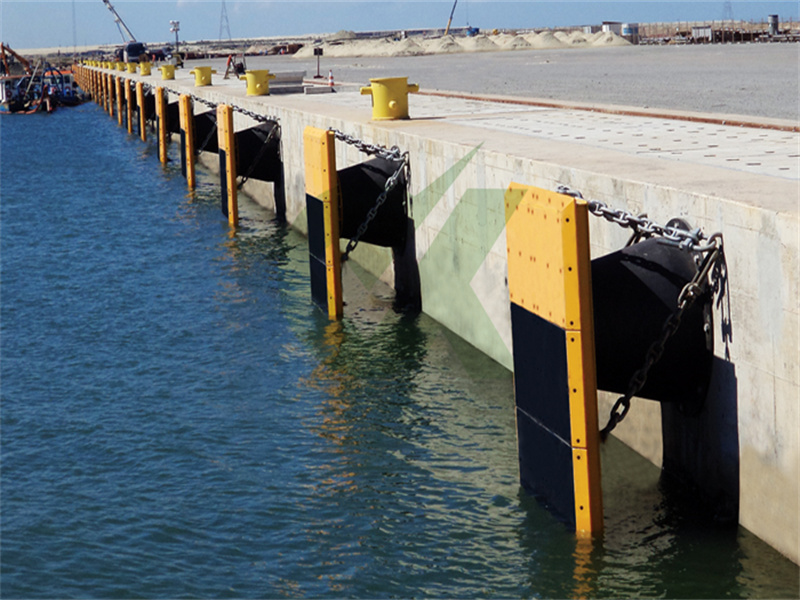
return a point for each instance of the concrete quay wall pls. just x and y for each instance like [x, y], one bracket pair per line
[743, 451]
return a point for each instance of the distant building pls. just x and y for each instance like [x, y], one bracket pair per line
[703, 34]
[630, 31]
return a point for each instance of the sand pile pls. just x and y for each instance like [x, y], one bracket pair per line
[609, 38]
[516, 43]
[573, 38]
[501, 39]
[443, 45]
[406, 47]
[341, 35]
[339, 46]
[479, 43]
[546, 39]
[577, 38]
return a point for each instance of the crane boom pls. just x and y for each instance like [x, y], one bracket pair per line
[25, 64]
[120, 23]
[449, 21]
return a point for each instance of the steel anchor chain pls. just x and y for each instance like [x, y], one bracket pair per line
[690, 241]
[213, 106]
[262, 150]
[391, 154]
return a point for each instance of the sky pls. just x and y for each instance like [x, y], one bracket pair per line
[68, 23]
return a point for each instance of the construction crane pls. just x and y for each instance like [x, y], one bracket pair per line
[471, 31]
[450, 20]
[132, 50]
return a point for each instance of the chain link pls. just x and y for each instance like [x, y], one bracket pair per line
[688, 240]
[213, 105]
[393, 154]
[253, 115]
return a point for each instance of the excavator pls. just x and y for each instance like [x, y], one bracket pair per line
[132, 50]
[21, 89]
[25, 89]
[26, 66]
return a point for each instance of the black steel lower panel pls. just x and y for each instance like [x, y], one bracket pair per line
[545, 467]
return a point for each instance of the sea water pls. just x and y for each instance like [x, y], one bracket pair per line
[178, 419]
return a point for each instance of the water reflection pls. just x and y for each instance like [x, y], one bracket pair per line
[585, 571]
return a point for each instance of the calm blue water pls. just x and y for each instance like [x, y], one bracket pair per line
[179, 421]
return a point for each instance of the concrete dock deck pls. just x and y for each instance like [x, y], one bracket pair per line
[742, 181]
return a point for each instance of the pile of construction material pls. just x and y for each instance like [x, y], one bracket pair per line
[341, 45]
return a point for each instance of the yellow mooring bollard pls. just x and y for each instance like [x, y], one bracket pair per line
[390, 97]
[131, 67]
[202, 76]
[145, 68]
[167, 72]
[257, 82]
[120, 66]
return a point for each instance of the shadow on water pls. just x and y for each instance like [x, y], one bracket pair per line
[660, 540]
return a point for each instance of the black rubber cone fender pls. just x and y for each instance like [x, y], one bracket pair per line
[634, 291]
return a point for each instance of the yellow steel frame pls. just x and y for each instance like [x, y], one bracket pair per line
[129, 102]
[187, 126]
[322, 182]
[118, 93]
[549, 274]
[161, 117]
[142, 112]
[227, 143]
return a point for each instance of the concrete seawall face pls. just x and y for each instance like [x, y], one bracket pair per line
[743, 451]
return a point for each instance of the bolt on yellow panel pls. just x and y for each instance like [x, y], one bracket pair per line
[582, 389]
[578, 267]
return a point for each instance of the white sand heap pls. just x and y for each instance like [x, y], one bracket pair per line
[479, 43]
[544, 40]
[517, 43]
[443, 45]
[609, 38]
[342, 45]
